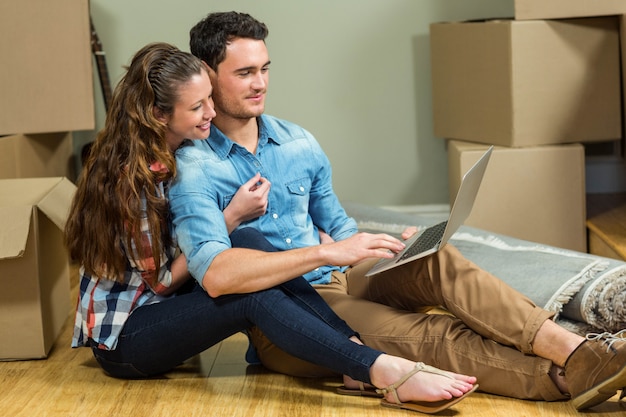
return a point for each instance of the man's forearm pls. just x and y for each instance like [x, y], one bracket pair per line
[238, 270]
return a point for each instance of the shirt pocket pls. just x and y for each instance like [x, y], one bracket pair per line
[298, 191]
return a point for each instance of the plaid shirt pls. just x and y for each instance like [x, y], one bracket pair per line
[104, 305]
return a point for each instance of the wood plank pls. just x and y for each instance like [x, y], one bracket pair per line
[606, 221]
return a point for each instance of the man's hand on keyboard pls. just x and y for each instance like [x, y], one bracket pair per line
[409, 231]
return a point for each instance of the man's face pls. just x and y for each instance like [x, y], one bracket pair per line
[241, 80]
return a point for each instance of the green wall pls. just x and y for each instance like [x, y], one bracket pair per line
[356, 73]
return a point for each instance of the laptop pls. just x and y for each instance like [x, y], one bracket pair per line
[433, 238]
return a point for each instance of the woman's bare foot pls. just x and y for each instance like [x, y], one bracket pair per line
[422, 386]
[354, 384]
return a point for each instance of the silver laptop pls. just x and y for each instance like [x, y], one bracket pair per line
[433, 238]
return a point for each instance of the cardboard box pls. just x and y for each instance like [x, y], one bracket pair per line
[32, 156]
[34, 265]
[535, 194]
[46, 76]
[558, 9]
[527, 83]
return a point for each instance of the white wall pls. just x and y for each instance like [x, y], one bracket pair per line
[356, 73]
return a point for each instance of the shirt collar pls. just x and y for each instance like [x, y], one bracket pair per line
[267, 132]
[222, 145]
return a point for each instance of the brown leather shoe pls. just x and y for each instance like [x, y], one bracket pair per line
[596, 369]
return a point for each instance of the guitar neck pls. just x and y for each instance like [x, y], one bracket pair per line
[103, 74]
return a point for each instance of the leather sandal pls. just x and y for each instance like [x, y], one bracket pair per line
[426, 407]
[362, 391]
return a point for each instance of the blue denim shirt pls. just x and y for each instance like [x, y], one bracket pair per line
[301, 197]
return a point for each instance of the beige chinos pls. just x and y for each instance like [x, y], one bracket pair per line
[489, 333]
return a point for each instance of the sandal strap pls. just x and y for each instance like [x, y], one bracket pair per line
[419, 367]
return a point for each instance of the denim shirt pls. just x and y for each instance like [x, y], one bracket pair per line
[301, 197]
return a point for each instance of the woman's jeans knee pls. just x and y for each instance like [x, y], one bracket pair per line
[250, 238]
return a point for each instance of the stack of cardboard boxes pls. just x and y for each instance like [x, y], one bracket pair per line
[537, 86]
[46, 88]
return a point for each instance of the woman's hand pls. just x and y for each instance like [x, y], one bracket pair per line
[249, 202]
[325, 237]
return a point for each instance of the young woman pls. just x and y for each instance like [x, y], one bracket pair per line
[138, 308]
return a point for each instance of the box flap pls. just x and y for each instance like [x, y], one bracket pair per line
[53, 196]
[56, 204]
[25, 191]
[15, 225]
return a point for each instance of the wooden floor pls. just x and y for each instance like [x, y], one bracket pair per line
[216, 383]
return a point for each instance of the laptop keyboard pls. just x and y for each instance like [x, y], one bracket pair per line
[427, 240]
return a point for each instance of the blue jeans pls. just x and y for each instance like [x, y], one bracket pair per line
[158, 337]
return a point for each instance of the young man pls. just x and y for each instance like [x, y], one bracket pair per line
[495, 333]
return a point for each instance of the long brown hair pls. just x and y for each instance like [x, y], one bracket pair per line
[107, 210]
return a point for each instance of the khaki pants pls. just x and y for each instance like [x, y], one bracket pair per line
[488, 334]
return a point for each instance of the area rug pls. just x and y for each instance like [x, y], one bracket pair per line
[587, 292]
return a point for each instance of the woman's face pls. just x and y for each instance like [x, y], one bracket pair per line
[193, 112]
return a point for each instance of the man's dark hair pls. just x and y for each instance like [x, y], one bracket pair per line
[209, 37]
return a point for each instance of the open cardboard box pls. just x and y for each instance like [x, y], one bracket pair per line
[34, 265]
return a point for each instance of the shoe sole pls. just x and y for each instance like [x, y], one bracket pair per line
[356, 392]
[601, 392]
[428, 407]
